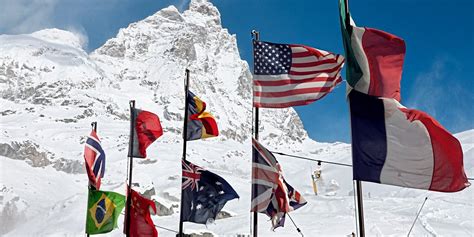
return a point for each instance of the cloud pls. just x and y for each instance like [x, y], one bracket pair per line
[443, 93]
[81, 34]
[26, 16]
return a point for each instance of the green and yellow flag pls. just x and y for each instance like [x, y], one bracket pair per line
[103, 209]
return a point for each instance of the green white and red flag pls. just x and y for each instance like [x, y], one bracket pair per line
[374, 58]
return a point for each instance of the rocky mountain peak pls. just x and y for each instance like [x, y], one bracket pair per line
[48, 81]
[206, 9]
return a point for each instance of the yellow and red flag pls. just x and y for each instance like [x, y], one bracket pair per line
[201, 124]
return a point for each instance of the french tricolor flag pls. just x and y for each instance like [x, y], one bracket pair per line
[398, 146]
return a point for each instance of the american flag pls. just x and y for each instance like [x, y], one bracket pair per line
[94, 156]
[289, 75]
[271, 194]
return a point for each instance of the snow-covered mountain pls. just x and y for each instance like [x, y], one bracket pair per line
[51, 90]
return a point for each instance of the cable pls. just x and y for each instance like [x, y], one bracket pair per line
[170, 230]
[416, 218]
[298, 229]
[306, 158]
[161, 227]
[323, 161]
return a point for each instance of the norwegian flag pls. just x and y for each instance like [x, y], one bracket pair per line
[271, 194]
[290, 75]
[94, 157]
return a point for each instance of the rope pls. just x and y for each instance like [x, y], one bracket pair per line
[161, 227]
[416, 218]
[306, 158]
[170, 230]
[323, 161]
[298, 229]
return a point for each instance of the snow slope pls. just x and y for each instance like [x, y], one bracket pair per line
[51, 89]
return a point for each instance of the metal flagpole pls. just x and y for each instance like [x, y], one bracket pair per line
[359, 208]
[185, 135]
[357, 183]
[256, 37]
[129, 189]
[94, 127]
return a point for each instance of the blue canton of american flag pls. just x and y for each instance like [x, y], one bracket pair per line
[94, 156]
[289, 75]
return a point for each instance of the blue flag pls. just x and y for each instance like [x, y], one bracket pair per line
[204, 194]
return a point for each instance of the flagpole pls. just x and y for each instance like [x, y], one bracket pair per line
[129, 188]
[359, 208]
[357, 183]
[185, 135]
[94, 128]
[255, 36]
[348, 19]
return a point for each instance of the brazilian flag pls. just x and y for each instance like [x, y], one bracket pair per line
[103, 209]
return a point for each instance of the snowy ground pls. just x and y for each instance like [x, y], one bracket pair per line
[57, 201]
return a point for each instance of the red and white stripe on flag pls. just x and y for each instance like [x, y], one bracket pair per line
[292, 75]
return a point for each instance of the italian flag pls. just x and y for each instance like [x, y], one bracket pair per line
[374, 58]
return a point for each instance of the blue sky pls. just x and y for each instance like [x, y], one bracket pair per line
[439, 66]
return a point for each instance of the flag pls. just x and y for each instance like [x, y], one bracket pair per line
[204, 194]
[398, 146]
[289, 75]
[103, 209]
[271, 194]
[374, 58]
[94, 157]
[141, 224]
[146, 129]
[201, 124]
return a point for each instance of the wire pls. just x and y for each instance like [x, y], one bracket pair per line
[161, 227]
[298, 229]
[306, 158]
[170, 230]
[416, 218]
[323, 161]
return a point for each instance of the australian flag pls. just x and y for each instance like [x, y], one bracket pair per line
[204, 194]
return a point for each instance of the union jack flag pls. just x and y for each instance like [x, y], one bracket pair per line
[271, 194]
[191, 175]
[94, 156]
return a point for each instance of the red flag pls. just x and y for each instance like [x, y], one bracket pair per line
[146, 129]
[141, 224]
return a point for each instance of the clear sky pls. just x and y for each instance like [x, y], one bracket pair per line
[439, 66]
